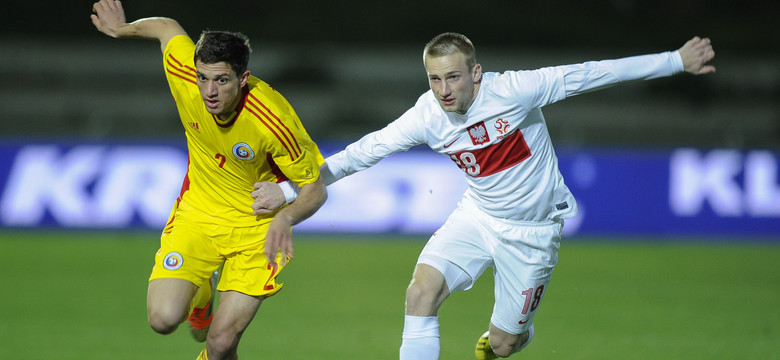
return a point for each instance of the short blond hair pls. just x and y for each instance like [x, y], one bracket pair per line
[449, 43]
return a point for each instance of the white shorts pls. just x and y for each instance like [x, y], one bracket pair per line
[522, 254]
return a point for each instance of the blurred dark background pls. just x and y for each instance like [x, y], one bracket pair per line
[350, 67]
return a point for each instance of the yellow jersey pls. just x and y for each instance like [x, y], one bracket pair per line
[265, 142]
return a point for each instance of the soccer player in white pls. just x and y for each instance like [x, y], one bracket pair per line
[511, 216]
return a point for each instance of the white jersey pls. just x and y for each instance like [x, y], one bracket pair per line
[502, 143]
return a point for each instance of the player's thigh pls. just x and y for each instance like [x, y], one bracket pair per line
[459, 250]
[523, 269]
[246, 269]
[168, 300]
[187, 253]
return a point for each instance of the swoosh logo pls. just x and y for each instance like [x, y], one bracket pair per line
[453, 141]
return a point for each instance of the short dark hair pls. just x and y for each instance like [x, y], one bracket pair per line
[222, 46]
[448, 43]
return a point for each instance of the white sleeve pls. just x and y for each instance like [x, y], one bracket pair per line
[537, 88]
[595, 75]
[400, 135]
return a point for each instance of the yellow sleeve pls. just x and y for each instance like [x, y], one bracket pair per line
[178, 61]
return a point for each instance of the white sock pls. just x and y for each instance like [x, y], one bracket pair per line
[420, 338]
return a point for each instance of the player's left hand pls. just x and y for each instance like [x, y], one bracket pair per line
[268, 198]
[279, 238]
[108, 16]
[695, 54]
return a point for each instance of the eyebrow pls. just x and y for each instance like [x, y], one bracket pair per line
[448, 74]
[217, 76]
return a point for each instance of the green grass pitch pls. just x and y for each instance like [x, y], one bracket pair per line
[81, 295]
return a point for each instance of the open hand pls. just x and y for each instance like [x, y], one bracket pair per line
[108, 16]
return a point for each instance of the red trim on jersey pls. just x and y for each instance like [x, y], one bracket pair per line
[492, 159]
[176, 68]
[280, 177]
[185, 186]
[255, 110]
[294, 141]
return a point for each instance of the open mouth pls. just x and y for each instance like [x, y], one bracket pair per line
[212, 104]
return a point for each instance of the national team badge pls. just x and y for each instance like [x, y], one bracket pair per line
[242, 151]
[502, 126]
[478, 133]
[173, 261]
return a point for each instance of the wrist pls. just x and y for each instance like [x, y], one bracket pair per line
[289, 190]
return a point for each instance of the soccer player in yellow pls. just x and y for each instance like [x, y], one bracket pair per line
[239, 131]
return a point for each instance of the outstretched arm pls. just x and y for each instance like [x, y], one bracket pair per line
[109, 18]
[695, 54]
[270, 196]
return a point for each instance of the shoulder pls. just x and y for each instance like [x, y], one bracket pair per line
[514, 83]
[180, 47]
[427, 104]
[178, 60]
[267, 108]
[265, 96]
[261, 90]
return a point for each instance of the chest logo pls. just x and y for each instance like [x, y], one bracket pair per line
[502, 126]
[478, 133]
[194, 125]
[242, 151]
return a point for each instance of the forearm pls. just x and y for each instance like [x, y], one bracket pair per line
[594, 75]
[150, 28]
[109, 18]
[309, 200]
[154, 28]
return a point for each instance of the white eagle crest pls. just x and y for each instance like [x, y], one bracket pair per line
[478, 133]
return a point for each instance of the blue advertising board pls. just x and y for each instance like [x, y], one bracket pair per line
[620, 192]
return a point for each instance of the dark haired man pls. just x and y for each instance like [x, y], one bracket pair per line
[239, 131]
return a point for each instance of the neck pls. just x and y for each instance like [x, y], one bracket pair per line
[224, 119]
[473, 97]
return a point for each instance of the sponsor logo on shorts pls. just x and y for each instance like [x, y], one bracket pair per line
[242, 151]
[173, 261]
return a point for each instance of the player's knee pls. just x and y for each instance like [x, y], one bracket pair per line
[502, 350]
[503, 346]
[164, 321]
[162, 327]
[420, 300]
[426, 293]
[221, 344]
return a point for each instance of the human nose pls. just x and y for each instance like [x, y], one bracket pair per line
[211, 89]
[444, 89]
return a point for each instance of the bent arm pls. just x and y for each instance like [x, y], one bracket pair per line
[279, 236]
[310, 199]
[109, 18]
[270, 196]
